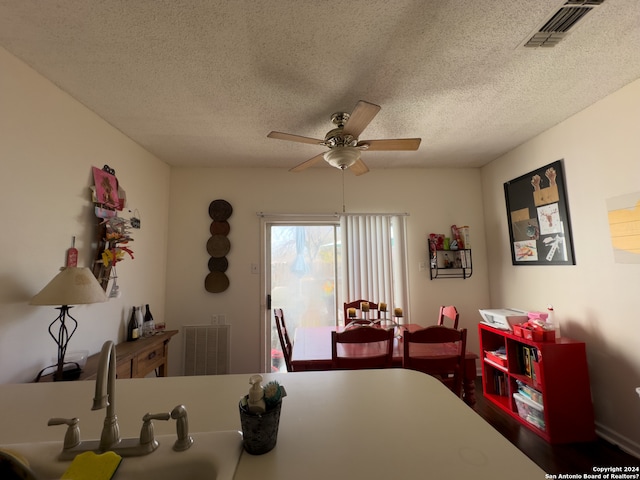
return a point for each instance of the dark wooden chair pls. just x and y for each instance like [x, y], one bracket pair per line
[438, 351]
[283, 334]
[374, 313]
[362, 347]
[448, 314]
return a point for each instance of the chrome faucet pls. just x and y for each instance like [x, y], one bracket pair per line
[106, 380]
[105, 396]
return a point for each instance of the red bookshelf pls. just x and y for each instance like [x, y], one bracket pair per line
[543, 385]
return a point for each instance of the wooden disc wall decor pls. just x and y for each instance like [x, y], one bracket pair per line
[220, 210]
[220, 228]
[218, 264]
[216, 282]
[218, 246]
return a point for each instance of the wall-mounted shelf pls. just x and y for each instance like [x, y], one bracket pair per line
[450, 263]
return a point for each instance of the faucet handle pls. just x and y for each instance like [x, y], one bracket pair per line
[72, 437]
[156, 416]
[146, 434]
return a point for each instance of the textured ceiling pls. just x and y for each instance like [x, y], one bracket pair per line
[201, 83]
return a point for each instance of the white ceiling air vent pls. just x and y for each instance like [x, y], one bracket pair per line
[558, 25]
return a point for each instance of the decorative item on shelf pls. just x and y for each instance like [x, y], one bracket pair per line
[260, 415]
[456, 239]
[117, 236]
[113, 231]
[437, 239]
[218, 246]
[464, 237]
[135, 219]
[72, 255]
[115, 289]
[72, 286]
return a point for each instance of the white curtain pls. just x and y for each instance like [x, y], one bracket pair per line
[374, 259]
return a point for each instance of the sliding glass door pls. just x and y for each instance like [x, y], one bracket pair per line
[302, 277]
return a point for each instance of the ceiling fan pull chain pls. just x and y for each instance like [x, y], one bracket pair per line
[344, 208]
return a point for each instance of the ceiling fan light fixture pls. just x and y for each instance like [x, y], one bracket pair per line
[342, 157]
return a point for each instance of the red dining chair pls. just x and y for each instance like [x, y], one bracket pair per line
[438, 351]
[448, 314]
[374, 313]
[285, 342]
[362, 347]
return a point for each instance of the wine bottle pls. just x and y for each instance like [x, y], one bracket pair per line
[132, 328]
[140, 321]
[149, 325]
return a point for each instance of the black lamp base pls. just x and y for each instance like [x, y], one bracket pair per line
[71, 371]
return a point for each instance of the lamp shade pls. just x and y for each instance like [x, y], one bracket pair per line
[72, 286]
[342, 157]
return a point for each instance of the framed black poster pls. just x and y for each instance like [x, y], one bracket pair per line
[539, 225]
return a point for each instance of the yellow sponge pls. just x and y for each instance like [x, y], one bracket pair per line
[91, 466]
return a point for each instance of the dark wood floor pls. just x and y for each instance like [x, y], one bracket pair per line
[576, 458]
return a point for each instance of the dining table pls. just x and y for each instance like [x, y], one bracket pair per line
[312, 352]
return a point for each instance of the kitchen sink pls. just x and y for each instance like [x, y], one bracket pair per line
[213, 456]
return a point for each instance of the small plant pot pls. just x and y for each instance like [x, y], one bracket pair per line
[259, 431]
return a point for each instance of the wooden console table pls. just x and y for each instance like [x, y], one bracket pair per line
[133, 359]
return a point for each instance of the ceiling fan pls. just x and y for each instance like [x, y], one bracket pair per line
[344, 146]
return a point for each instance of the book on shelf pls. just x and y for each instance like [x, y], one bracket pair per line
[528, 356]
[500, 384]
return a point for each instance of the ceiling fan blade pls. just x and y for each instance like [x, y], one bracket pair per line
[359, 168]
[294, 138]
[391, 144]
[360, 118]
[308, 163]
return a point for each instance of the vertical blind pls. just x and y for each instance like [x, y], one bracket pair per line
[374, 259]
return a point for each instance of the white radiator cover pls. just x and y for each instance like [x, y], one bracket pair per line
[206, 349]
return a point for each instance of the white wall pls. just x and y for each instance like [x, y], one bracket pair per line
[596, 300]
[48, 144]
[434, 199]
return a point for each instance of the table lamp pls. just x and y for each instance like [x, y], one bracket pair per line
[72, 286]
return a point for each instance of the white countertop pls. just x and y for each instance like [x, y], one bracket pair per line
[377, 424]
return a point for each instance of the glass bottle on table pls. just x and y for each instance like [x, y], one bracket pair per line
[140, 320]
[149, 325]
[132, 327]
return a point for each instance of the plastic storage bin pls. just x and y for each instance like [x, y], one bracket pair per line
[529, 392]
[497, 359]
[529, 410]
